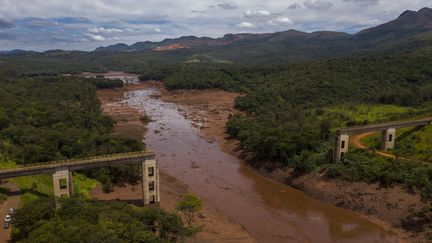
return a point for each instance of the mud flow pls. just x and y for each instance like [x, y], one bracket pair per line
[270, 211]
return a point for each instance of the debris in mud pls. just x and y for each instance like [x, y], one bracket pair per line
[195, 166]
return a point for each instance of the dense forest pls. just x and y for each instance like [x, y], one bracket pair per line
[80, 220]
[54, 118]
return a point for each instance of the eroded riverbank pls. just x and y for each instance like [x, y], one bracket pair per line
[271, 211]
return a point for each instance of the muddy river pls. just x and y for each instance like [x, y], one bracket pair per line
[270, 211]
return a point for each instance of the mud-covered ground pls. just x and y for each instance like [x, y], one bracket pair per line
[216, 227]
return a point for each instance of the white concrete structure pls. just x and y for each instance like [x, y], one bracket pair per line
[388, 139]
[62, 182]
[341, 147]
[150, 181]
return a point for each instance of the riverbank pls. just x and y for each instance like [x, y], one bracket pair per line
[216, 226]
[384, 206]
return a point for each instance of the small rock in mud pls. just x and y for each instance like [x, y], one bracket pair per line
[195, 166]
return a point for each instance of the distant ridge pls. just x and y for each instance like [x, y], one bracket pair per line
[410, 32]
[409, 23]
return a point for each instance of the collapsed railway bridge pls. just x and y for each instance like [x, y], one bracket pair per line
[62, 172]
[388, 134]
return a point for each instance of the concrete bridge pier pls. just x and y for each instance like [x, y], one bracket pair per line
[388, 139]
[150, 181]
[62, 182]
[341, 147]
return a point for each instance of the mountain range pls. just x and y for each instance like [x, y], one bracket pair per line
[411, 30]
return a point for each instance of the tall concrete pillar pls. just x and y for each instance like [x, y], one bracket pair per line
[388, 139]
[62, 182]
[341, 147]
[150, 181]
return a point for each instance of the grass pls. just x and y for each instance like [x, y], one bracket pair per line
[357, 114]
[83, 185]
[34, 187]
[415, 143]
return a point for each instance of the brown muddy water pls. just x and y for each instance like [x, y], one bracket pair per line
[270, 211]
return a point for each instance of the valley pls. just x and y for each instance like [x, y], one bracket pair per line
[245, 137]
[198, 105]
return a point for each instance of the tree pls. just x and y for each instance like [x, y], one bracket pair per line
[189, 207]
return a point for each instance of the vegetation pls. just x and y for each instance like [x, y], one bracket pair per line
[34, 187]
[413, 143]
[189, 206]
[419, 221]
[45, 119]
[80, 220]
[292, 110]
[362, 165]
[417, 144]
[54, 118]
[3, 195]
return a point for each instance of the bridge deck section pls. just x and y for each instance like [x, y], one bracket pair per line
[383, 126]
[77, 164]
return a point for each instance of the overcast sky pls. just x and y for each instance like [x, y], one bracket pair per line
[86, 24]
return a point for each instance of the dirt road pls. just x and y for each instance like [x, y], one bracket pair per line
[356, 142]
[13, 200]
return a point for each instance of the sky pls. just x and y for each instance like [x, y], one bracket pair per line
[86, 24]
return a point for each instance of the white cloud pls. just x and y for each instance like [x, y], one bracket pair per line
[279, 21]
[256, 13]
[93, 37]
[370, 22]
[102, 30]
[158, 30]
[318, 5]
[364, 2]
[246, 25]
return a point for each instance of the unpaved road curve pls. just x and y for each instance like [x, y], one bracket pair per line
[356, 142]
[13, 200]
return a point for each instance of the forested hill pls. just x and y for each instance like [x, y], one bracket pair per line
[411, 30]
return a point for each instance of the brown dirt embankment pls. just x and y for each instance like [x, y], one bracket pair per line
[208, 110]
[385, 206]
[216, 227]
[128, 123]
